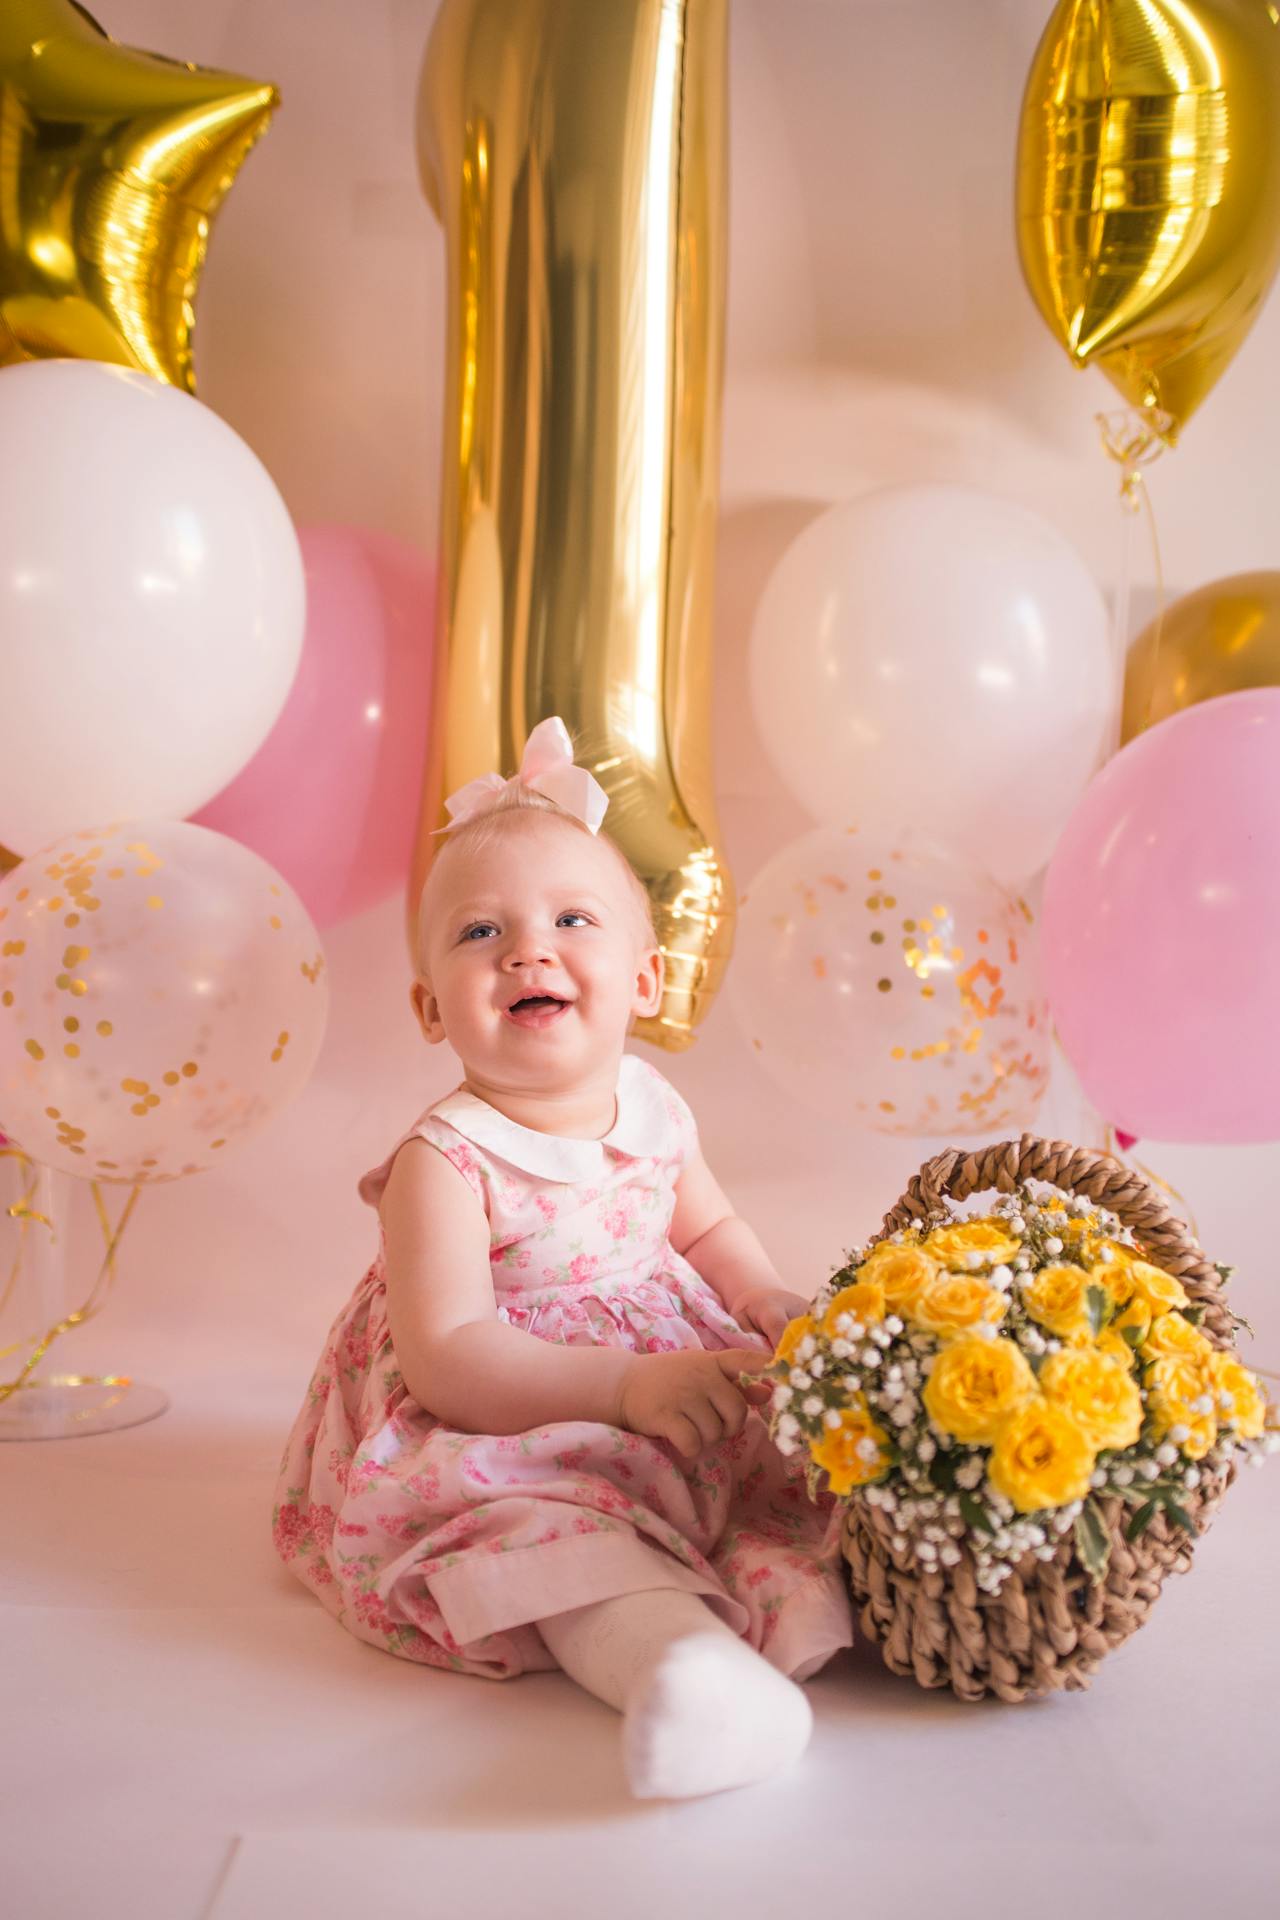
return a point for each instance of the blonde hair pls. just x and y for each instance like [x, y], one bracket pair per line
[480, 830]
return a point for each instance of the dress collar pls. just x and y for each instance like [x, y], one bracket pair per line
[641, 1129]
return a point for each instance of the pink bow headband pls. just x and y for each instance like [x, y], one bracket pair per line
[547, 764]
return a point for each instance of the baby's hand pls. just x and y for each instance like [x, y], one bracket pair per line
[690, 1399]
[767, 1310]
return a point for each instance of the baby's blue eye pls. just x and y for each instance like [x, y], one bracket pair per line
[481, 926]
[573, 914]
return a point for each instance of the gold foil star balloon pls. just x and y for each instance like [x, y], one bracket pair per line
[112, 165]
[1148, 201]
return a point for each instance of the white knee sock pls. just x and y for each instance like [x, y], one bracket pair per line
[701, 1709]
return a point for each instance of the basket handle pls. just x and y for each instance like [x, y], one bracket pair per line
[1097, 1176]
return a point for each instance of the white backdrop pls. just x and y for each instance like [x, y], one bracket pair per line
[878, 331]
[180, 1704]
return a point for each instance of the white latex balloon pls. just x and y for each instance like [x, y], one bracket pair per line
[937, 659]
[151, 600]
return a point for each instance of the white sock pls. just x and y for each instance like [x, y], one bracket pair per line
[701, 1709]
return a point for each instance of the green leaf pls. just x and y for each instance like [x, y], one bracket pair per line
[1224, 1273]
[1195, 1314]
[1132, 1333]
[1141, 1520]
[1097, 1302]
[975, 1514]
[1093, 1542]
[942, 1472]
[1179, 1515]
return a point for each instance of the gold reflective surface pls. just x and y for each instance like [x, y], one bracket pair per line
[575, 152]
[1223, 638]
[112, 166]
[1148, 189]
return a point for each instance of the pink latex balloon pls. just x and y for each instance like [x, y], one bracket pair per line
[331, 799]
[1161, 927]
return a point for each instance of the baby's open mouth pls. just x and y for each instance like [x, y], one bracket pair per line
[537, 1010]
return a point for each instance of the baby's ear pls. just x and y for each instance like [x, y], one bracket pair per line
[426, 1011]
[650, 972]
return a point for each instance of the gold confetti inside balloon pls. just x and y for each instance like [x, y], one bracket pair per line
[576, 154]
[1148, 196]
[1223, 638]
[113, 163]
[162, 995]
[891, 988]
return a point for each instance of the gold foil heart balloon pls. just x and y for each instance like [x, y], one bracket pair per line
[575, 152]
[1148, 196]
[112, 165]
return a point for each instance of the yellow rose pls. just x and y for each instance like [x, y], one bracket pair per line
[1098, 1393]
[975, 1385]
[1056, 1297]
[1136, 1315]
[1159, 1289]
[1174, 1383]
[792, 1334]
[958, 1302]
[864, 1301]
[838, 1449]
[902, 1272]
[1115, 1279]
[1170, 1334]
[1079, 1231]
[1042, 1458]
[1115, 1346]
[1135, 1318]
[1248, 1414]
[991, 1238]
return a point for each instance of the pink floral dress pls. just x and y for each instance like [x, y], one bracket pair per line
[444, 1547]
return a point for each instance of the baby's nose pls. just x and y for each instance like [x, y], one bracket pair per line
[529, 949]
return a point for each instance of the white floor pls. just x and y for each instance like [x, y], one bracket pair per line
[187, 1736]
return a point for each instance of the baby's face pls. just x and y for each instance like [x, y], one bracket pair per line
[535, 958]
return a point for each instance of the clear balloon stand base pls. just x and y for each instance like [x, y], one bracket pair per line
[63, 1406]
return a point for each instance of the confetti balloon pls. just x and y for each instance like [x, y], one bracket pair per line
[162, 995]
[887, 986]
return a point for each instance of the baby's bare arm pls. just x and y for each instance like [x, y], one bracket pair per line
[459, 1361]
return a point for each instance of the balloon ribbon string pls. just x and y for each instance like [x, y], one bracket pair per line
[22, 1211]
[1133, 439]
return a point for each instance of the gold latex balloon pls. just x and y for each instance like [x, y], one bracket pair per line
[112, 165]
[1148, 195]
[1223, 638]
[576, 155]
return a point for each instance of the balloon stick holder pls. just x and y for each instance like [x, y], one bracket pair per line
[61, 1406]
[38, 1401]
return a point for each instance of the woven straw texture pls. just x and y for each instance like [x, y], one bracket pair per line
[1051, 1624]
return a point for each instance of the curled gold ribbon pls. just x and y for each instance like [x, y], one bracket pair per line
[1133, 438]
[24, 1213]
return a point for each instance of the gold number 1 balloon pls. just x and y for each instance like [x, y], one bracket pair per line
[112, 165]
[575, 153]
[1149, 188]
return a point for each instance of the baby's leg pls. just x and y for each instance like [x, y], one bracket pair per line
[701, 1709]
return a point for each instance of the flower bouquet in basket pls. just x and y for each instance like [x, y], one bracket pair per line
[1031, 1412]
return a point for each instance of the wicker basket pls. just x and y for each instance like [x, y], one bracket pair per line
[1051, 1623]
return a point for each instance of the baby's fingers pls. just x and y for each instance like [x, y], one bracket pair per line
[683, 1436]
[736, 1360]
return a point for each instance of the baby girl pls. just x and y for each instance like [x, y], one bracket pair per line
[532, 1438]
